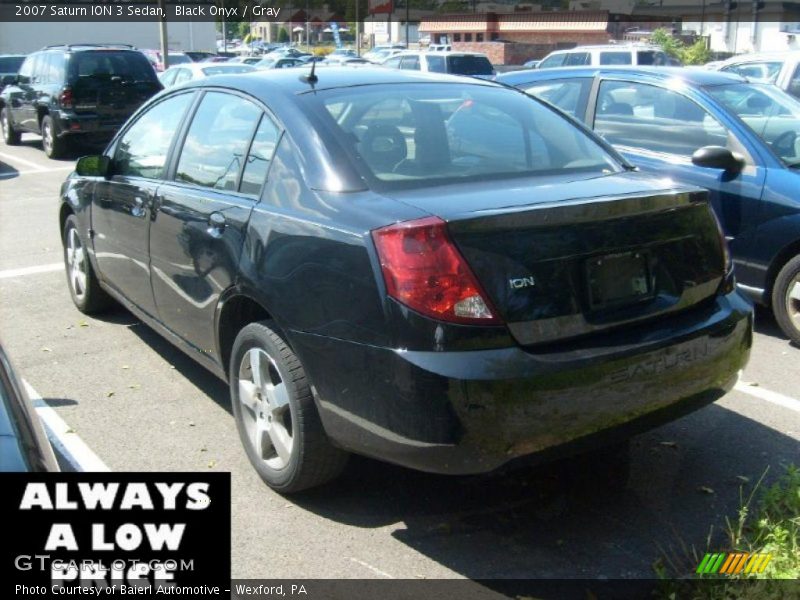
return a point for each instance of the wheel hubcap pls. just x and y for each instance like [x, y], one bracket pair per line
[793, 302]
[265, 411]
[47, 133]
[76, 264]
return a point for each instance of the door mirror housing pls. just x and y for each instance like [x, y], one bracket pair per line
[717, 157]
[93, 166]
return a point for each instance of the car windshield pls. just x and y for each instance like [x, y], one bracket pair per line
[423, 134]
[11, 64]
[178, 59]
[469, 65]
[127, 65]
[770, 113]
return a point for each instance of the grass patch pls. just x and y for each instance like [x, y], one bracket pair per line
[768, 521]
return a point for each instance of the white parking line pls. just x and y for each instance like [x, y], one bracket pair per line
[375, 570]
[51, 268]
[63, 437]
[27, 163]
[769, 396]
[36, 172]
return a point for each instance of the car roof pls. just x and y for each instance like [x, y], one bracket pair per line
[753, 56]
[696, 77]
[199, 66]
[631, 46]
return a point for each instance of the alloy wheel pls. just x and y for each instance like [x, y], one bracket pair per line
[76, 264]
[266, 414]
[793, 302]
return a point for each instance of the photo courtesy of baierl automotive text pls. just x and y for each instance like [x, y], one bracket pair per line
[400, 299]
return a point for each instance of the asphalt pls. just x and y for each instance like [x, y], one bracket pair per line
[142, 405]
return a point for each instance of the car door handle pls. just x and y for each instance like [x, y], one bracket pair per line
[216, 224]
[139, 208]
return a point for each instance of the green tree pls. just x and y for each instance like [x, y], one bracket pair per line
[696, 54]
[283, 35]
[673, 47]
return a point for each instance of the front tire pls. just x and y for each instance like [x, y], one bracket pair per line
[11, 137]
[275, 413]
[786, 299]
[54, 146]
[88, 296]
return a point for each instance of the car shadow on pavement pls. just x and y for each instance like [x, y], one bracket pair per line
[7, 171]
[561, 521]
[765, 324]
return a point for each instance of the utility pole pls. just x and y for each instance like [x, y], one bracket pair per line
[358, 32]
[164, 38]
[224, 29]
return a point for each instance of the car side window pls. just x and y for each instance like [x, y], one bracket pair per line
[567, 94]
[410, 63]
[259, 157]
[169, 77]
[757, 71]
[142, 149]
[182, 75]
[794, 83]
[217, 141]
[556, 60]
[436, 64]
[38, 63]
[577, 59]
[53, 71]
[615, 58]
[26, 70]
[393, 63]
[653, 118]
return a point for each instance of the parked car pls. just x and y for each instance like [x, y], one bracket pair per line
[66, 93]
[199, 56]
[286, 52]
[247, 60]
[220, 59]
[780, 68]
[380, 53]
[156, 59]
[741, 140]
[24, 446]
[439, 272]
[277, 62]
[345, 60]
[472, 64]
[607, 54]
[9, 68]
[191, 71]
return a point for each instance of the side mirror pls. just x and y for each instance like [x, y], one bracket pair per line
[93, 166]
[717, 157]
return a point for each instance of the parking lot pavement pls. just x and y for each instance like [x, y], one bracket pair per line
[139, 404]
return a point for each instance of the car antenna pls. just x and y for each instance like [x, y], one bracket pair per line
[311, 77]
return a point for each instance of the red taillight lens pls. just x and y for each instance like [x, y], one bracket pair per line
[424, 270]
[66, 100]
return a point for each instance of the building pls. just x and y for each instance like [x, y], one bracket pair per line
[183, 35]
[513, 38]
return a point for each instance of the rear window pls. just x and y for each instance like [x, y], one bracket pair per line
[128, 66]
[469, 65]
[11, 64]
[424, 134]
[615, 58]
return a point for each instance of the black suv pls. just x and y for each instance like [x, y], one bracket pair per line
[65, 92]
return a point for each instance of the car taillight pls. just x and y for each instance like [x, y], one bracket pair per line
[66, 100]
[424, 270]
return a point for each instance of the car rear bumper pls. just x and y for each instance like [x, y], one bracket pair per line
[472, 412]
[71, 124]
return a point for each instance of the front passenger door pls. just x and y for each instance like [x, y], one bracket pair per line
[122, 206]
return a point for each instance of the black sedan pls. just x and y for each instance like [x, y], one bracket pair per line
[442, 273]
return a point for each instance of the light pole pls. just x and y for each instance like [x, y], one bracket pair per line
[163, 33]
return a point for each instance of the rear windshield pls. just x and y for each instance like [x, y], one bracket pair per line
[469, 65]
[11, 64]
[411, 135]
[100, 64]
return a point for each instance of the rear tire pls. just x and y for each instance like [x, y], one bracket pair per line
[11, 137]
[88, 296]
[54, 146]
[786, 299]
[275, 413]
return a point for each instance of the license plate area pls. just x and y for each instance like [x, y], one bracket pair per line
[620, 279]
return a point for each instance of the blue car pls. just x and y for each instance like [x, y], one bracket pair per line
[740, 140]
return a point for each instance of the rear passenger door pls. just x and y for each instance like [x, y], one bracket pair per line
[658, 130]
[198, 229]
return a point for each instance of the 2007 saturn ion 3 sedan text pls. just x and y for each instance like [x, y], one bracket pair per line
[441, 273]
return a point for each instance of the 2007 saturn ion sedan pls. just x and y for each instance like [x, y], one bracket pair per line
[438, 272]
